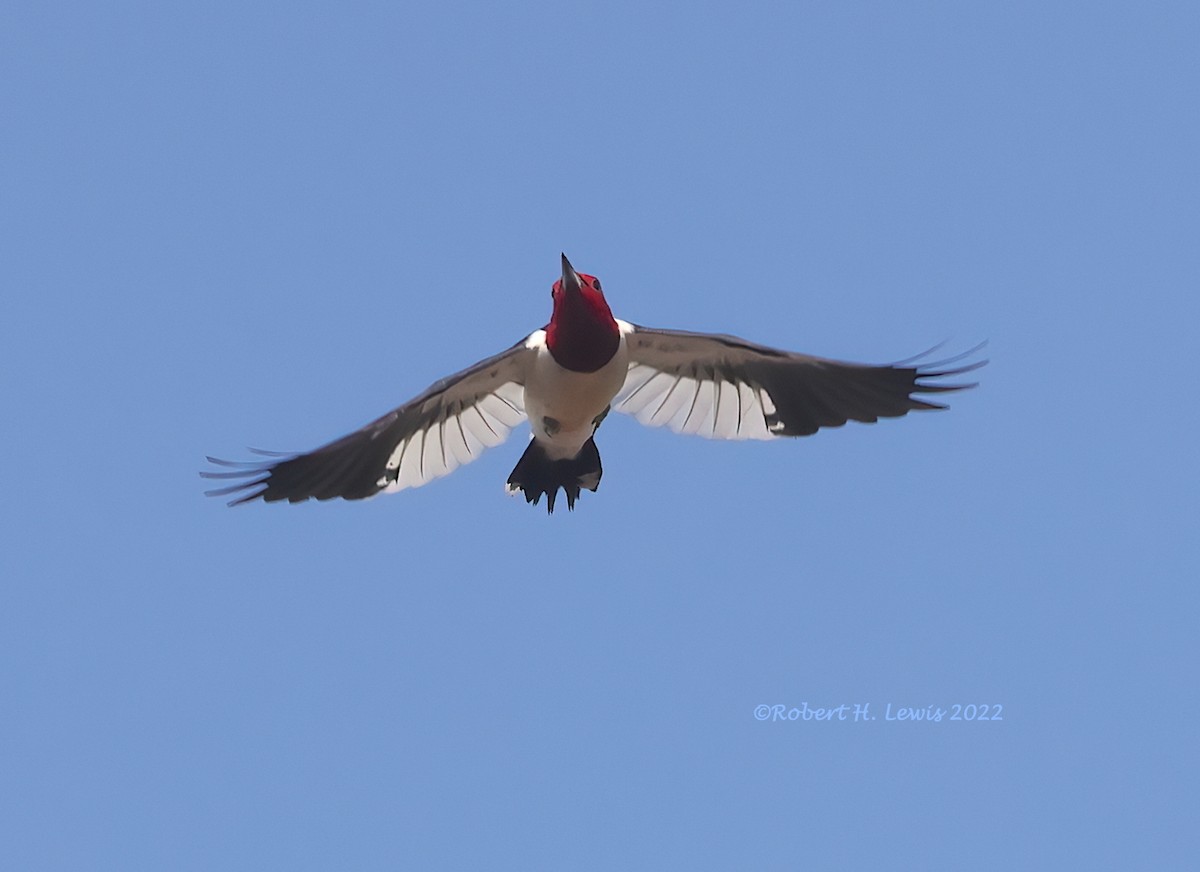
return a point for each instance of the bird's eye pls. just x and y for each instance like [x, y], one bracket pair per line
[596, 284]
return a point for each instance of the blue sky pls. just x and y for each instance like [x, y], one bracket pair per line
[263, 224]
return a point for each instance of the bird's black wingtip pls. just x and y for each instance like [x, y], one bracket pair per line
[245, 475]
[919, 361]
[927, 376]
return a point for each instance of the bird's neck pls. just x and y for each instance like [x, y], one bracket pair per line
[582, 334]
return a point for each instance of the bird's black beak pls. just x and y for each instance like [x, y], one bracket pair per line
[570, 278]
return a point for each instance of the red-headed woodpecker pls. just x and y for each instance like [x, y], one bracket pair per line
[564, 378]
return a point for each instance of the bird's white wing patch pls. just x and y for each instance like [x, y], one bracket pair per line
[709, 405]
[449, 442]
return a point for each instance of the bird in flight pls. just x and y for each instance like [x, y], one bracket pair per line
[565, 378]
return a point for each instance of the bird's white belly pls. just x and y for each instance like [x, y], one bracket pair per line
[563, 405]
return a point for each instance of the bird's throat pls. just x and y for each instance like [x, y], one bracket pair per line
[582, 334]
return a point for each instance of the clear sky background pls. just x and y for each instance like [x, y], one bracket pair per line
[229, 225]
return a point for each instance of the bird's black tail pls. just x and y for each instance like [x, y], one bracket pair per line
[536, 474]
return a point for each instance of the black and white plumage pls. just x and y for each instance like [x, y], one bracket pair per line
[723, 387]
[448, 425]
[715, 386]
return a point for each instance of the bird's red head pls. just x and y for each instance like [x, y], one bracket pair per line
[582, 333]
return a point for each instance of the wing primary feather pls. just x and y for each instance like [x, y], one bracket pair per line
[508, 403]
[253, 464]
[233, 488]
[716, 385]
[442, 440]
[654, 374]
[400, 459]
[738, 387]
[928, 351]
[936, 363]
[479, 413]
[463, 433]
[692, 408]
[670, 391]
[232, 474]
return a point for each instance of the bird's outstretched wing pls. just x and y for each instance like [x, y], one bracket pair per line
[723, 387]
[430, 436]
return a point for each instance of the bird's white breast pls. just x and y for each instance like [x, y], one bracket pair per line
[563, 405]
